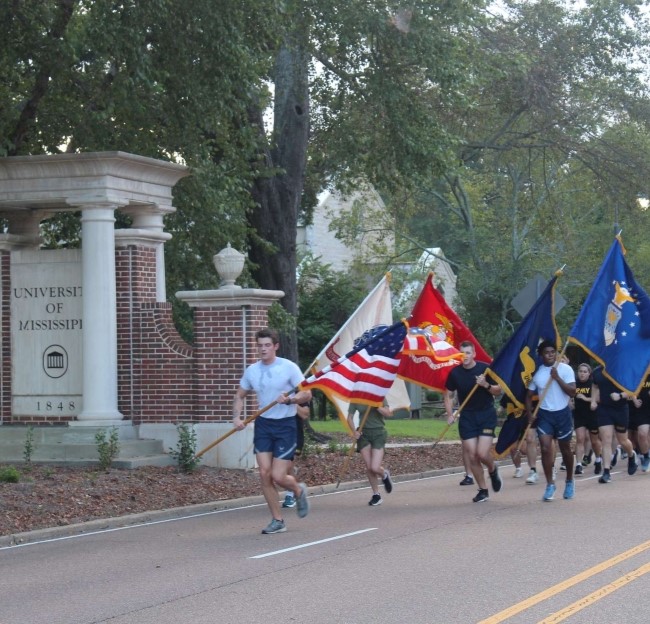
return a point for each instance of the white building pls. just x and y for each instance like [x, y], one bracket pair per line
[320, 238]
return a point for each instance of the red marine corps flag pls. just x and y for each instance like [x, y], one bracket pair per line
[432, 316]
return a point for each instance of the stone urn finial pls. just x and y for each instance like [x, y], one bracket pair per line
[229, 264]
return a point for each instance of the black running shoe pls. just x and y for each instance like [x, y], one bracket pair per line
[578, 469]
[388, 484]
[481, 497]
[631, 464]
[605, 478]
[496, 479]
[467, 481]
[375, 500]
[598, 467]
[615, 458]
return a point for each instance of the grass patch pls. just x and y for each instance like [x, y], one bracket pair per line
[421, 429]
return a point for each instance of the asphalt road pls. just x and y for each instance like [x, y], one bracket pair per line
[427, 555]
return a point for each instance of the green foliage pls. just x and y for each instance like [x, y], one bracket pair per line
[185, 451]
[310, 448]
[28, 446]
[9, 474]
[108, 447]
[333, 446]
[326, 299]
[515, 140]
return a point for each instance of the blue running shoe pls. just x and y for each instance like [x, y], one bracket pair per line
[570, 489]
[645, 462]
[302, 504]
[549, 492]
[275, 526]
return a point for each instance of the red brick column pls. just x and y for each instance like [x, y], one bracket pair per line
[225, 323]
[5, 336]
[155, 366]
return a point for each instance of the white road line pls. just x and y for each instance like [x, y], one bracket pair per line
[140, 525]
[323, 541]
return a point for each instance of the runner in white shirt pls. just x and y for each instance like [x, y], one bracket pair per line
[554, 419]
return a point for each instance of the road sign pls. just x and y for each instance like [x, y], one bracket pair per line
[523, 301]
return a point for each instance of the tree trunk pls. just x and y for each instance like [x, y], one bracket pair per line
[278, 196]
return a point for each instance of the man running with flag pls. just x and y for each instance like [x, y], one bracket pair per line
[273, 378]
[478, 417]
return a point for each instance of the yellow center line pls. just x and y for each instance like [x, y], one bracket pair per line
[578, 605]
[559, 587]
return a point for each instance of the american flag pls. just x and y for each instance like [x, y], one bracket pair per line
[366, 373]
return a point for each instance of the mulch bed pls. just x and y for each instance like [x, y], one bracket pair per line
[49, 496]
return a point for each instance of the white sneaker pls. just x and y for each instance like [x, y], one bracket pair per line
[533, 477]
[519, 472]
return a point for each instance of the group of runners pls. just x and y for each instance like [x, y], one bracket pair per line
[607, 423]
[605, 420]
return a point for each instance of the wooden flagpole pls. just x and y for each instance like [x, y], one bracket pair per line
[541, 398]
[248, 420]
[455, 416]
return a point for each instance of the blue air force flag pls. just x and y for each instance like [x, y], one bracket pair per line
[614, 323]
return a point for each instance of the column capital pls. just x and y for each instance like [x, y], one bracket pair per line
[230, 297]
[141, 237]
[101, 200]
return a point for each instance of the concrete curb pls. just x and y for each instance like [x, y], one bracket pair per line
[105, 524]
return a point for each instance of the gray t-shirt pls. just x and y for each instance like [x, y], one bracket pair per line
[269, 381]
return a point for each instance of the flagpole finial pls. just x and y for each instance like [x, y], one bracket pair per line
[560, 271]
[388, 276]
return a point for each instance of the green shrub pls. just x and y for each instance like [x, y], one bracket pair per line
[9, 474]
[28, 448]
[185, 452]
[107, 448]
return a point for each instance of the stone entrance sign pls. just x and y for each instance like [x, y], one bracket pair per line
[46, 332]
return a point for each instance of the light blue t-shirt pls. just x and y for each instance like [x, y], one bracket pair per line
[269, 381]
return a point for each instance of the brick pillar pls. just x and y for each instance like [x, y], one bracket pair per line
[135, 268]
[5, 336]
[225, 323]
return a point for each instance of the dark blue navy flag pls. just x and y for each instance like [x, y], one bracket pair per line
[614, 323]
[515, 365]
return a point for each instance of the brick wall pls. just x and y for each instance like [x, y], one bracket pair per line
[160, 377]
[155, 365]
[5, 337]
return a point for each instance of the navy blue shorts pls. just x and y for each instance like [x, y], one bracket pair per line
[474, 424]
[277, 436]
[558, 424]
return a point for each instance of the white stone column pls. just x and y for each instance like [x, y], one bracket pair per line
[148, 230]
[99, 313]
